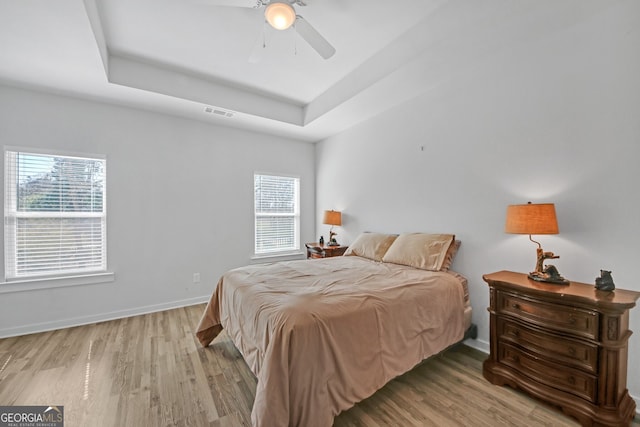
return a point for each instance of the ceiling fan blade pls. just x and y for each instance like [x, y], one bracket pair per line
[314, 38]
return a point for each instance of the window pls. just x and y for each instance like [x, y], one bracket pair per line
[55, 215]
[277, 214]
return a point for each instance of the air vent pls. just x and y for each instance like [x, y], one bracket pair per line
[218, 112]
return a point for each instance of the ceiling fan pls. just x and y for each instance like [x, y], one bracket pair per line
[281, 15]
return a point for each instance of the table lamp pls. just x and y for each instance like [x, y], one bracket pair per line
[536, 219]
[332, 218]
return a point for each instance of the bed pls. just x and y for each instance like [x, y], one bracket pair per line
[322, 335]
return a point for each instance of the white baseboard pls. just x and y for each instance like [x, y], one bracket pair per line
[481, 345]
[102, 317]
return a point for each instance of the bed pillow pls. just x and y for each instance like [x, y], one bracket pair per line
[371, 245]
[451, 254]
[420, 250]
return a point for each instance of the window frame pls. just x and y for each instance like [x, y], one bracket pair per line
[60, 278]
[295, 250]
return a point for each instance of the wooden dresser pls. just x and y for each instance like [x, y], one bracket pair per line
[564, 344]
[316, 250]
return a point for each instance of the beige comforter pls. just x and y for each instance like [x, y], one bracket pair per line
[323, 335]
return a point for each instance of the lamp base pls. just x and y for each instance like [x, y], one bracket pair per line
[549, 275]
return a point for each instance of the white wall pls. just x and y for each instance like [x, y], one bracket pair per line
[180, 201]
[551, 119]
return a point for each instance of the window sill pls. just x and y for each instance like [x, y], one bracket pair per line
[282, 256]
[21, 285]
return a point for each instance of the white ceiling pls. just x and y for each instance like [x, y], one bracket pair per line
[180, 56]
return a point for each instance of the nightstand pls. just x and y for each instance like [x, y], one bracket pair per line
[564, 344]
[316, 250]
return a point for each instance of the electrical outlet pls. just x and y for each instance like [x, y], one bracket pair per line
[196, 277]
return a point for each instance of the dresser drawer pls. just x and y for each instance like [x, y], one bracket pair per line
[576, 321]
[570, 352]
[557, 376]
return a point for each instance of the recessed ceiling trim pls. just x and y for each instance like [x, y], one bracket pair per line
[93, 13]
[451, 41]
[155, 78]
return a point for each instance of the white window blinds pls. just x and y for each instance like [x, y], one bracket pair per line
[55, 215]
[277, 217]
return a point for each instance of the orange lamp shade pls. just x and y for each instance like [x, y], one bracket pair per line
[531, 219]
[332, 218]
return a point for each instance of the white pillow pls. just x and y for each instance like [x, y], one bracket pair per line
[371, 245]
[420, 250]
[451, 254]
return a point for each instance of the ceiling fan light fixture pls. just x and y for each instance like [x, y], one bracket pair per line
[280, 15]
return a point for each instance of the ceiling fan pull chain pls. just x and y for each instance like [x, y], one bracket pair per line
[264, 35]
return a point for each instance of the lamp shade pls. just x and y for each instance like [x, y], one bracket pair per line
[280, 15]
[332, 218]
[531, 219]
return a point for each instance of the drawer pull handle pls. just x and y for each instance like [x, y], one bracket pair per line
[516, 306]
[572, 351]
[516, 359]
[572, 320]
[571, 380]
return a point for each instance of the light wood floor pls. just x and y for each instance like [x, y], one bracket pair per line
[150, 371]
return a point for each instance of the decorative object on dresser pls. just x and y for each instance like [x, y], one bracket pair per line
[320, 250]
[566, 345]
[332, 218]
[536, 219]
[605, 281]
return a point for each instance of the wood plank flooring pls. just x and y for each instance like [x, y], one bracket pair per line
[150, 371]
